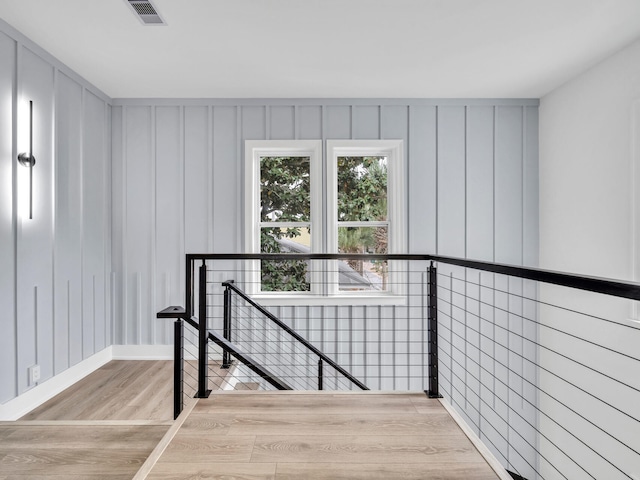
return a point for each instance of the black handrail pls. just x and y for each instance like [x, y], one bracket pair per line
[607, 286]
[230, 284]
[234, 351]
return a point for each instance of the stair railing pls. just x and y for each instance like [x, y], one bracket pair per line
[322, 358]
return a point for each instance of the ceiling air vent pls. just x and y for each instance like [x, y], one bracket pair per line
[146, 12]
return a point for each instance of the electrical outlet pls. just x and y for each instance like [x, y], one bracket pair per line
[34, 374]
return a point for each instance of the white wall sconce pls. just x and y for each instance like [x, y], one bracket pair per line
[28, 160]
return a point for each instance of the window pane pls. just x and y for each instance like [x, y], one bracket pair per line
[285, 275]
[362, 189]
[358, 274]
[285, 189]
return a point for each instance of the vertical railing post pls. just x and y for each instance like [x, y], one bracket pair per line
[320, 375]
[203, 340]
[178, 367]
[226, 356]
[432, 307]
[189, 287]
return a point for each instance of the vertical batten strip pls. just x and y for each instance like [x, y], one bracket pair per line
[522, 254]
[68, 298]
[16, 91]
[437, 194]
[82, 232]
[93, 311]
[124, 299]
[182, 186]
[138, 280]
[113, 286]
[239, 176]
[54, 205]
[106, 209]
[35, 322]
[466, 242]
[210, 204]
[152, 294]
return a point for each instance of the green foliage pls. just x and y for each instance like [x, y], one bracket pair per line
[285, 197]
[281, 275]
[285, 189]
[362, 189]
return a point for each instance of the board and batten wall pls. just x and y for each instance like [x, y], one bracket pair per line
[471, 191]
[55, 268]
[472, 183]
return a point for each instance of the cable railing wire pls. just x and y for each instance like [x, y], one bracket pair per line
[536, 408]
[269, 337]
[548, 395]
[505, 356]
[511, 332]
[533, 300]
[486, 420]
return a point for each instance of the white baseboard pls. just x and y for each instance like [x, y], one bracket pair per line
[142, 352]
[33, 398]
[479, 444]
[23, 404]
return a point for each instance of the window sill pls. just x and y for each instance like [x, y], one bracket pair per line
[329, 300]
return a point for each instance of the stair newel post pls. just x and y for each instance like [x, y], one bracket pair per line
[178, 366]
[203, 341]
[432, 298]
[226, 356]
[320, 375]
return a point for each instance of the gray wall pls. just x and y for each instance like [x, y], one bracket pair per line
[472, 191]
[55, 268]
[178, 182]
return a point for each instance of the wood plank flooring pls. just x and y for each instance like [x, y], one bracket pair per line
[286, 436]
[103, 427]
[120, 390]
[107, 425]
[76, 452]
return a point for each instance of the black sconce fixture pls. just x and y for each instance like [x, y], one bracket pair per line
[28, 160]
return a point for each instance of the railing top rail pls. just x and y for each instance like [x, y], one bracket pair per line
[607, 286]
[305, 256]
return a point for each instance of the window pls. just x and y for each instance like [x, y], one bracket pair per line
[365, 208]
[282, 181]
[361, 210]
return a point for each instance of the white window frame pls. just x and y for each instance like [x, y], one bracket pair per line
[324, 288]
[393, 151]
[254, 151]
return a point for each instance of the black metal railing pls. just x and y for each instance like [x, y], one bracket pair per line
[542, 365]
[300, 345]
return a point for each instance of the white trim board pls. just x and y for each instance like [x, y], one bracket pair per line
[479, 444]
[33, 398]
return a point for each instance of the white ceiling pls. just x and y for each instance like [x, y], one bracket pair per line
[329, 48]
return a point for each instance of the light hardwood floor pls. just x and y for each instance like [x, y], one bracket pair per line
[120, 390]
[107, 425]
[320, 436]
[103, 427]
